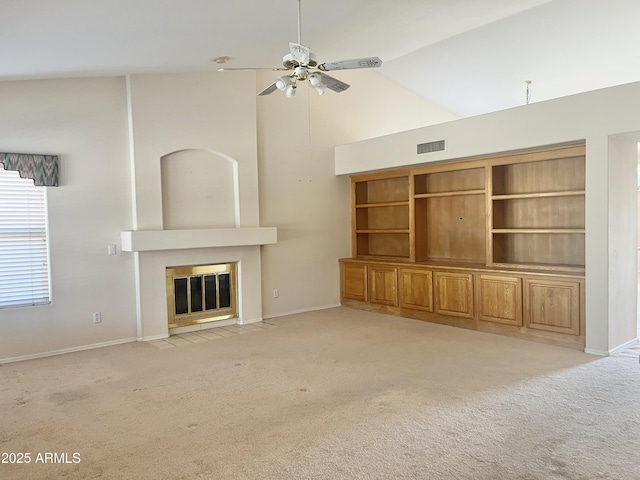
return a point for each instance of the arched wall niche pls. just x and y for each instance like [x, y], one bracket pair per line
[200, 190]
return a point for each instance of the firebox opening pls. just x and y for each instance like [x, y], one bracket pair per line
[201, 293]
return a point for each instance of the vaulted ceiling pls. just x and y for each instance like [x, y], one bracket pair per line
[468, 56]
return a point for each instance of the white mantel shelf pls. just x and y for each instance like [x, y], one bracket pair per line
[154, 240]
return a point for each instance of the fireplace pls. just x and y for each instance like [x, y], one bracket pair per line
[187, 209]
[201, 294]
[159, 250]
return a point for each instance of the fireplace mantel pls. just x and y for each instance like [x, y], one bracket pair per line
[155, 240]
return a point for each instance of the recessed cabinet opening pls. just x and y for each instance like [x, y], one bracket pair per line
[382, 191]
[546, 176]
[383, 244]
[543, 212]
[383, 218]
[552, 250]
[447, 182]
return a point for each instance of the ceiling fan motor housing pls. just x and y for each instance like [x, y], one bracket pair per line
[290, 63]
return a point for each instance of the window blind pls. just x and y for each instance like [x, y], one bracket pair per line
[24, 255]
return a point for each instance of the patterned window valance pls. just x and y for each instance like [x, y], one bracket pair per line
[43, 169]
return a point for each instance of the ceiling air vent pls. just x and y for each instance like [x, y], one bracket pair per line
[430, 147]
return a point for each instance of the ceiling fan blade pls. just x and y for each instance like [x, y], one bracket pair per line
[270, 89]
[333, 83]
[300, 53]
[276, 69]
[367, 62]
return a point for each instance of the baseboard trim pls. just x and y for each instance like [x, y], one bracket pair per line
[66, 350]
[613, 351]
[600, 353]
[624, 346]
[250, 321]
[153, 337]
[303, 310]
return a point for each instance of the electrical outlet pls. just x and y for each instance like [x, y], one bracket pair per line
[111, 249]
[276, 294]
[97, 317]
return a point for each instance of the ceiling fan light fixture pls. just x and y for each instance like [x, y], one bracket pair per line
[290, 91]
[282, 83]
[320, 89]
[315, 80]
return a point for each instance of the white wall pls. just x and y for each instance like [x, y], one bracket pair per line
[623, 228]
[299, 191]
[202, 111]
[85, 123]
[594, 117]
[198, 190]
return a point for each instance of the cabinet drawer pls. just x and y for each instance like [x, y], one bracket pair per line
[383, 285]
[454, 294]
[500, 299]
[416, 289]
[552, 305]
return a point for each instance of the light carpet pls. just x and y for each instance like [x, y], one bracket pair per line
[333, 394]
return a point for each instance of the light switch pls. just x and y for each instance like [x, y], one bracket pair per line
[111, 249]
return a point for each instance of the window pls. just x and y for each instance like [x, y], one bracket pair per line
[24, 250]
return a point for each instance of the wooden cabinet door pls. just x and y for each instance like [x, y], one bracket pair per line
[500, 299]
[383, 285]
[416, 289]
[354, 281]
[552, 305]
[454, 294]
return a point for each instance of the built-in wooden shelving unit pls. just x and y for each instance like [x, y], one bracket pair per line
[494, 243]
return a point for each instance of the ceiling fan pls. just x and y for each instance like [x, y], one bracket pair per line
[303, 66]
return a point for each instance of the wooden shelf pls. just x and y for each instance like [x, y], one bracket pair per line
[538, 230]
[568, 193]
[383, 204]
[390, 230]
[548, 267]
[450, 194]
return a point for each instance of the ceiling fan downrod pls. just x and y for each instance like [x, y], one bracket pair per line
[299, 23]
